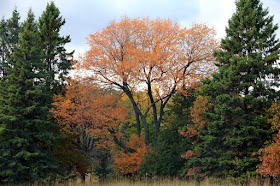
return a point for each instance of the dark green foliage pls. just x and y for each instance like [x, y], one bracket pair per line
[53, 46]
[14, 28]
[161, 161]
[3, 47]
[165, 157]
[239, 95]
[102, 163]
[9, 36]
[26, 133]
[71, 159]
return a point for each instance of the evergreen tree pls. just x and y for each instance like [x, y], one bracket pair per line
[14, 28]
[164, 159]
[239, 94]
[3, 46]
[53, 45]
[9, 36]
[26, 133]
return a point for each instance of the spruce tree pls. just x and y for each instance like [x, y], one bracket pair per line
[14, 28]
[27, 135]
[3, 47]
[9, 36]
[239, 93]
[53, 44]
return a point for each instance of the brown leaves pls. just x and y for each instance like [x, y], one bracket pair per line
[270, 159]
[270, 155]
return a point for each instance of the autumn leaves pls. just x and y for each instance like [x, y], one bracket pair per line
[156, 55]
[153, 56]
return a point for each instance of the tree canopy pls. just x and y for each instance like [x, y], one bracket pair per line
[154, 55]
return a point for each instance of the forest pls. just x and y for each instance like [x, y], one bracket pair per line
[149, 99]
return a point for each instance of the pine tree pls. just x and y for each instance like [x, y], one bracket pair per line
[53, 44]
[239, 94]
[26, 133]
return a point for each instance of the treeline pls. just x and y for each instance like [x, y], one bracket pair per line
[33, 64]
[154, 99]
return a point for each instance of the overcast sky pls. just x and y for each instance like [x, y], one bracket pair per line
[88, 16]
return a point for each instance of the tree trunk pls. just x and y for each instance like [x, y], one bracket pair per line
[138, 124]
[138, 114]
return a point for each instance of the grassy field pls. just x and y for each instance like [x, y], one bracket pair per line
[158, 182]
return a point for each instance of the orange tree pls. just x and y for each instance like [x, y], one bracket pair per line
[89, 111]
[156, 55]
[97, 117]
[129, 163]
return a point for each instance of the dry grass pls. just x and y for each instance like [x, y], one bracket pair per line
[93, 181]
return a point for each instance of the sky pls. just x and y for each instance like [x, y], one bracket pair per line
[84, 17]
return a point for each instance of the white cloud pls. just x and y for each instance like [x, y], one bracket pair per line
[215, 14]
[88, 16]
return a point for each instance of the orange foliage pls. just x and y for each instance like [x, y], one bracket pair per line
[270, 156]
[145, 50]
[84, 106]
[155, 55]
[129, 163]
[200, 106]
